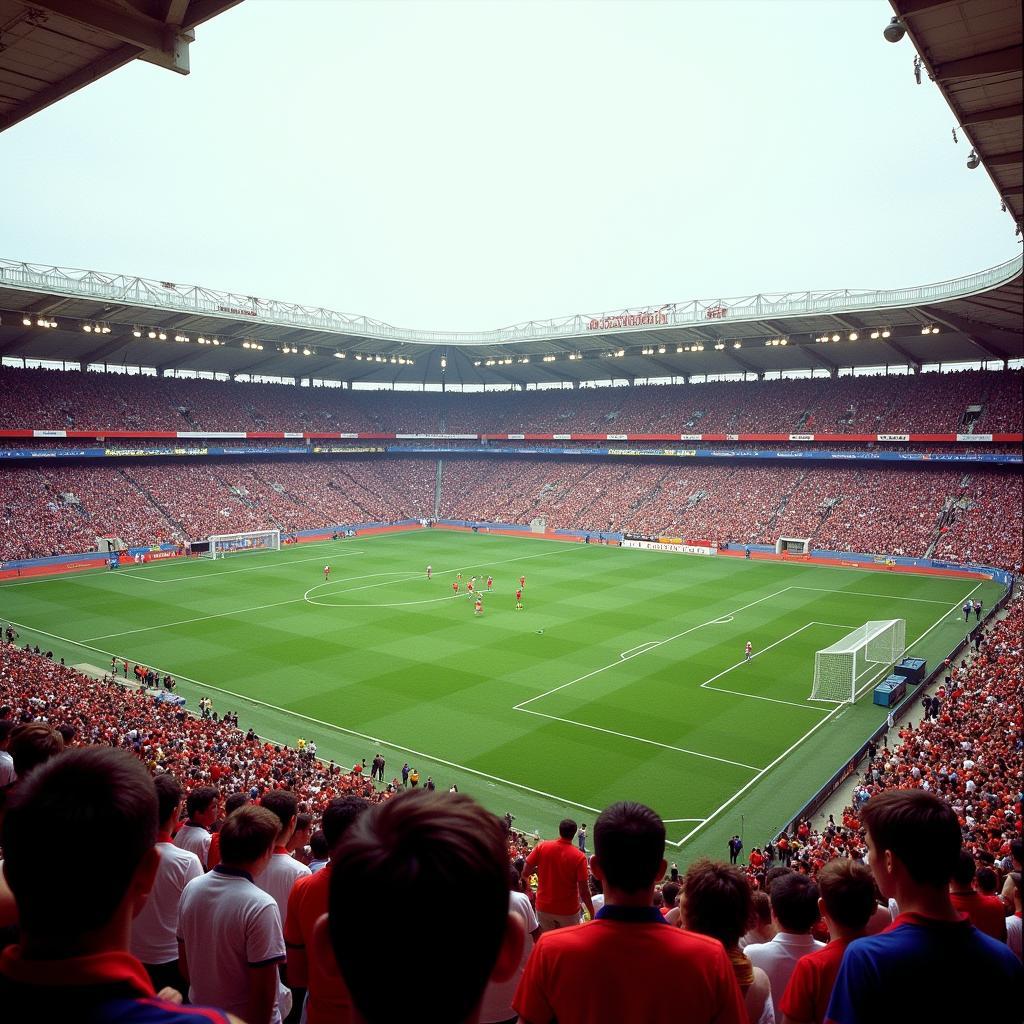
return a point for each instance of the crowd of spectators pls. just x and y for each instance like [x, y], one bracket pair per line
[929, 403]
[225, 903]
[967, 748]
[59, 508]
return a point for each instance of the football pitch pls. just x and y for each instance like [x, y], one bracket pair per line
[623, 677]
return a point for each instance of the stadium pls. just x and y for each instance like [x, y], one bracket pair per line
[749, 560]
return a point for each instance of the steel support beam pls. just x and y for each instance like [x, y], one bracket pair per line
[993, 114]
[994, 62]
[912, 361]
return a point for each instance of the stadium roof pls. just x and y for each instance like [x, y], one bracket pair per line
[91, 317]
[972, 51]
[52, 48]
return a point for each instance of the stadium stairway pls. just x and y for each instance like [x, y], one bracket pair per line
[136, 485]
[438, 473]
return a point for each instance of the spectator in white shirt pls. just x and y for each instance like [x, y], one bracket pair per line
[320, 851]
[1013, 925]
[202, 806]
[7, 775]
[154, 929]
[229, 931]
[283, 870]
[794, 899]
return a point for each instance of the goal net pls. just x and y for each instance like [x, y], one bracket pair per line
[221, 545]
[837, 668]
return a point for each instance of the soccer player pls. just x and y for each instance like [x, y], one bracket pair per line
[455, 586]
[430, 572]
[490, 582]
[519, 600]
[327, 572]
[458, 576]
[478, 608]
[522, 582]
[470, 586]
[748, 651]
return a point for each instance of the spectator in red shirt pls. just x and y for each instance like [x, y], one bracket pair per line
[328, 1001]
[986, 913]
[447, 857]
[847, 903]
[615, 969]
[562, 879]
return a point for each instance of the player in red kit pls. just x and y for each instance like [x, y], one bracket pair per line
[327, 572]
[519, 600]
[522, 582]
[748, 651]
[478, 608]
[455, 586]
[490, 582]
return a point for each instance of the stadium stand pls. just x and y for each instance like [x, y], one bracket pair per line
[974, 401]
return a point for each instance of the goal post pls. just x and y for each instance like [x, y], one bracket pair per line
[221, 545]
[838, 667]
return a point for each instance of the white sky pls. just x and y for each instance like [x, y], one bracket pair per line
[470, 165]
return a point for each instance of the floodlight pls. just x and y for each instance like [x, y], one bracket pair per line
[895, 30]
[973, 160]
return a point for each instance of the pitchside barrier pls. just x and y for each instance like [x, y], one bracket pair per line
[810, 808]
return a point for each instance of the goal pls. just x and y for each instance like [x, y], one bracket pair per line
[837, 668]
[221, 545]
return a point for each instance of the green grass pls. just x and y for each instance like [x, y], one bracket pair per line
[591, 694]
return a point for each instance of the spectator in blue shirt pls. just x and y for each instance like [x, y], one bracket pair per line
[914, 841]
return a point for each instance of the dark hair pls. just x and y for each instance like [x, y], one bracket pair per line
[779, 871]
[917, 827]
[67, 733]
[339, 815]
[761, 908]
[6, 728]
[283, 803]
[964, 870]
[629, 843]
[200, 799]
[670, 893]
[248, 834]
[1017, 849]
[717, 901]
[567, 828]
[33, 744]
[795, 902]
[988, 881]
[319, 846]
[235, 801]
[303, 821]
[168, 796]
[848, 891]
[448, 856]
[104, 802]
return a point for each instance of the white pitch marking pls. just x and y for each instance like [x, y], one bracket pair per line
[764, 771]
[641, 739]
[654, 643]
[328, 725]
[633, 651]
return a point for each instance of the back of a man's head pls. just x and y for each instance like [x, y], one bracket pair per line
[339, 815]
[248, 834]
[448, 858]
[629, 844]
[964, 870]
[168, 794]
[199, 800]
[918, 828]
[848, 892]
[233, 802]
[32, 744]
[779, 871]
[794, 900]
[567, 828]
[1017, 849]
[283, 803]
[102, 802]
[987, 881]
